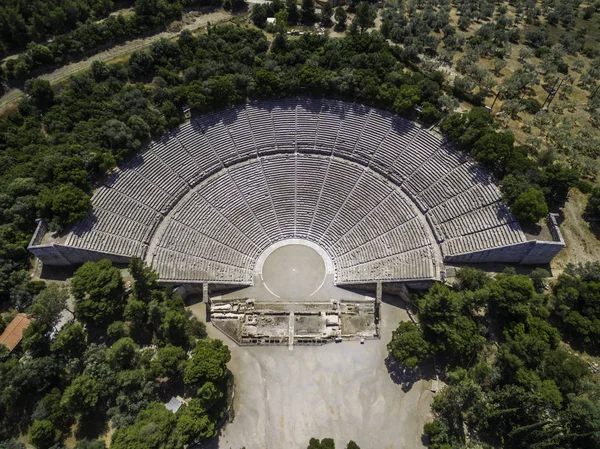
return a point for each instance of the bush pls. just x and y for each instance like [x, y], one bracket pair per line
[584, 186]
[532, 106]
[592, 208]
[43, 435]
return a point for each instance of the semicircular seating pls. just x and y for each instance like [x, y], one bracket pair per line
[387, 199]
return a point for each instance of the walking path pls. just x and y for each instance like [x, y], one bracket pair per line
[191, 22]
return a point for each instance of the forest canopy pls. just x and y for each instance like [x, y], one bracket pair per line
[511, 381]
[121, 359]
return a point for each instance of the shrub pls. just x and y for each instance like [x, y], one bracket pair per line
[592, 207]
[532, 106]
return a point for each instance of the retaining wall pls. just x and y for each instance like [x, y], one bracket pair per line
[533, 252]
[57, 254]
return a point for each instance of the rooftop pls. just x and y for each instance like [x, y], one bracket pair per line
[13, 334]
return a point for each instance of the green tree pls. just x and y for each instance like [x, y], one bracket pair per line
[325, 443]
[41, 93]
[566, 370]
[208, 363]
[48, 304]
[259, 15]
[194, 424]
[511, 296]
[141, 65]
[530, 207]
[50, 409]
[292, 9]
[576, 305]
[122, 353]
[152, 429]
[118, 329]
[81, 396]
[281, 21]
[209, 395]
[365, 16]
[341, 17]
[556, 180]
[408, 346]
[168, 362]
[43, 435]
[496, 151]
[175, 328]
[583, 422]
[36, 338]
[97, 288]
[408, 96]
[352, 445]
[69, 204]
[71, 340]
[145, 279]
[538, 277]
[308, 11]
[448, 325]
[471, 279]
[592, 207]
[266, 83]
[136, 312]
[326, 13]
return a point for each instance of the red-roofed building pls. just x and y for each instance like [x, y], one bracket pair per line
[13, 334]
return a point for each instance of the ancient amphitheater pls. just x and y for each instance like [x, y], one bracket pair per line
[379, 198]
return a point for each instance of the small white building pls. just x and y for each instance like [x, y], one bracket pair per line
[270, 20]
[174, 404]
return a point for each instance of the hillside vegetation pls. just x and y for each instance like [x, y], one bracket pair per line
[112, 368]
[501, 347]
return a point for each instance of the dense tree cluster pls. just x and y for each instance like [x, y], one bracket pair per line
[576, 304]
[22, 22]
[123, 358]
[150, 15]
[529, 188]
[510, 382]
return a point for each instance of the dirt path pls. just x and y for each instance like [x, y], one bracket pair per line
[191, 21]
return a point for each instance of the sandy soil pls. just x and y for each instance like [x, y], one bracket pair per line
[191, 22]
[343, 391]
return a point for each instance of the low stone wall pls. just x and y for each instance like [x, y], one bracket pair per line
[62, 255]
[555, 229]
[38, 234]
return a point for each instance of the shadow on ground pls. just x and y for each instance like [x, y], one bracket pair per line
[405, 377]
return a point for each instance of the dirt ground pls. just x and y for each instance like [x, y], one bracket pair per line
[343, 391]
[583, 243]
